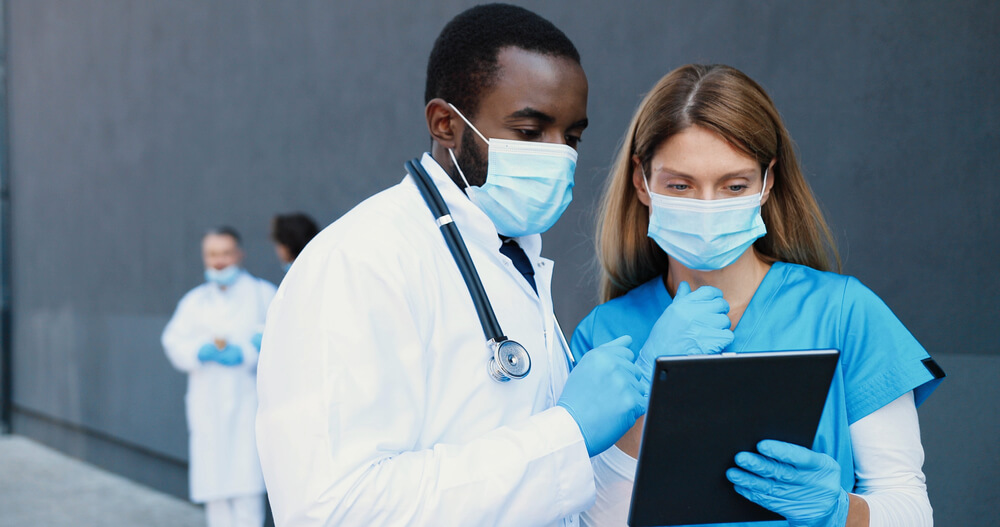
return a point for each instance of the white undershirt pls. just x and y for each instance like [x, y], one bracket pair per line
[888, 461]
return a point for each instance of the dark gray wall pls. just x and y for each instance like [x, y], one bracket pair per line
[136, 125]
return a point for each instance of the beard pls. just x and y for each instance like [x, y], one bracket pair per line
[472, 161]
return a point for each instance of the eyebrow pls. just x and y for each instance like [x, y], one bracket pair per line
[739, 173]
[531, 113]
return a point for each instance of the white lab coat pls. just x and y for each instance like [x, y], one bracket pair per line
[221, 400]
[375, 403]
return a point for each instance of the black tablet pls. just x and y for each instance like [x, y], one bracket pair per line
[703, 410]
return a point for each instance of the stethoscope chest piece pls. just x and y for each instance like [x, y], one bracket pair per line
[509, 361]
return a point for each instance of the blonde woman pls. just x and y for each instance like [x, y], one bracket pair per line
[710, 240]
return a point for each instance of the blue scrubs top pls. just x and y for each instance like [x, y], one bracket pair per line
[799, 308]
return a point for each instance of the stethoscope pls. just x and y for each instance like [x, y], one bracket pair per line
[510, 359]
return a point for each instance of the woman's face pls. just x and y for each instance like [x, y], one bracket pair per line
[699, 164]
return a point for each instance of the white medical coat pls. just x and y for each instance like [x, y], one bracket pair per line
[375, 404]
[221, 400]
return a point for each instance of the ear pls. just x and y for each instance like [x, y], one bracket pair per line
[442, 123]
[770, 182]
[638, 181]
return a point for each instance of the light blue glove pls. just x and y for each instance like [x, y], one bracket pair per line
[230, 356]
[693, 324]
[207, 352]
[604, 395]
[793, 481]
[256, 339]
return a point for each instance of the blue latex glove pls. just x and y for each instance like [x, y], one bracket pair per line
[256, 339]
[604, 394]
[793, 481]
[230, 356]
[207, 352]
[694, 323]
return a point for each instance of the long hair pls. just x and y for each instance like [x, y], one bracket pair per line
[726, 101]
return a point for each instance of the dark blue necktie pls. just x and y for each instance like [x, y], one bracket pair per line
[512, 250]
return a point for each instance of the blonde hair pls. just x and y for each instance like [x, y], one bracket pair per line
[726, 101]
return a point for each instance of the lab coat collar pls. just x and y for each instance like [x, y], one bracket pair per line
[475, 225]
[531, 245]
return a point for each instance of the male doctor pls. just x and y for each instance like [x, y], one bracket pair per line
[376, 407]
[214, 337]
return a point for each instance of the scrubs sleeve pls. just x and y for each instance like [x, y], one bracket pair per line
[182, 338]
[881, 360]
[342, 402]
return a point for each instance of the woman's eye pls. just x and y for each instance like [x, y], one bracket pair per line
[736, 188]
[680, 187]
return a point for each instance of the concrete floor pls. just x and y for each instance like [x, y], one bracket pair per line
[40, 487]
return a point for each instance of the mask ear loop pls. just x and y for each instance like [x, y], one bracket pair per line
[474, 129]
[764, 185]
[452, 153]
[455, 162]
[644, 183]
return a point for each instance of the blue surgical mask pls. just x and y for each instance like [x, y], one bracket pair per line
[223, 277]
[705, 235]
[528, 185]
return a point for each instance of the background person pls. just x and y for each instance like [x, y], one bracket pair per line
[214, 337]
[290, 233]
[376, 407]
[710, 240]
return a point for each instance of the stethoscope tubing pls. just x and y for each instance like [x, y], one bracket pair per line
[456, 244]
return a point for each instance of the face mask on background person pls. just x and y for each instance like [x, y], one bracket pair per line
[705, 235]
[528, 185]
[222, 277]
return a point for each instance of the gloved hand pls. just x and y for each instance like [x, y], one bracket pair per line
[604, 395]
[693, 324]
[256, 339]
[793, 481]
[207, 352]
[230, 356]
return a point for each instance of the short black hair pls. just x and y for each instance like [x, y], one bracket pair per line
[293, 231]
[463, 63]
[224, 230]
